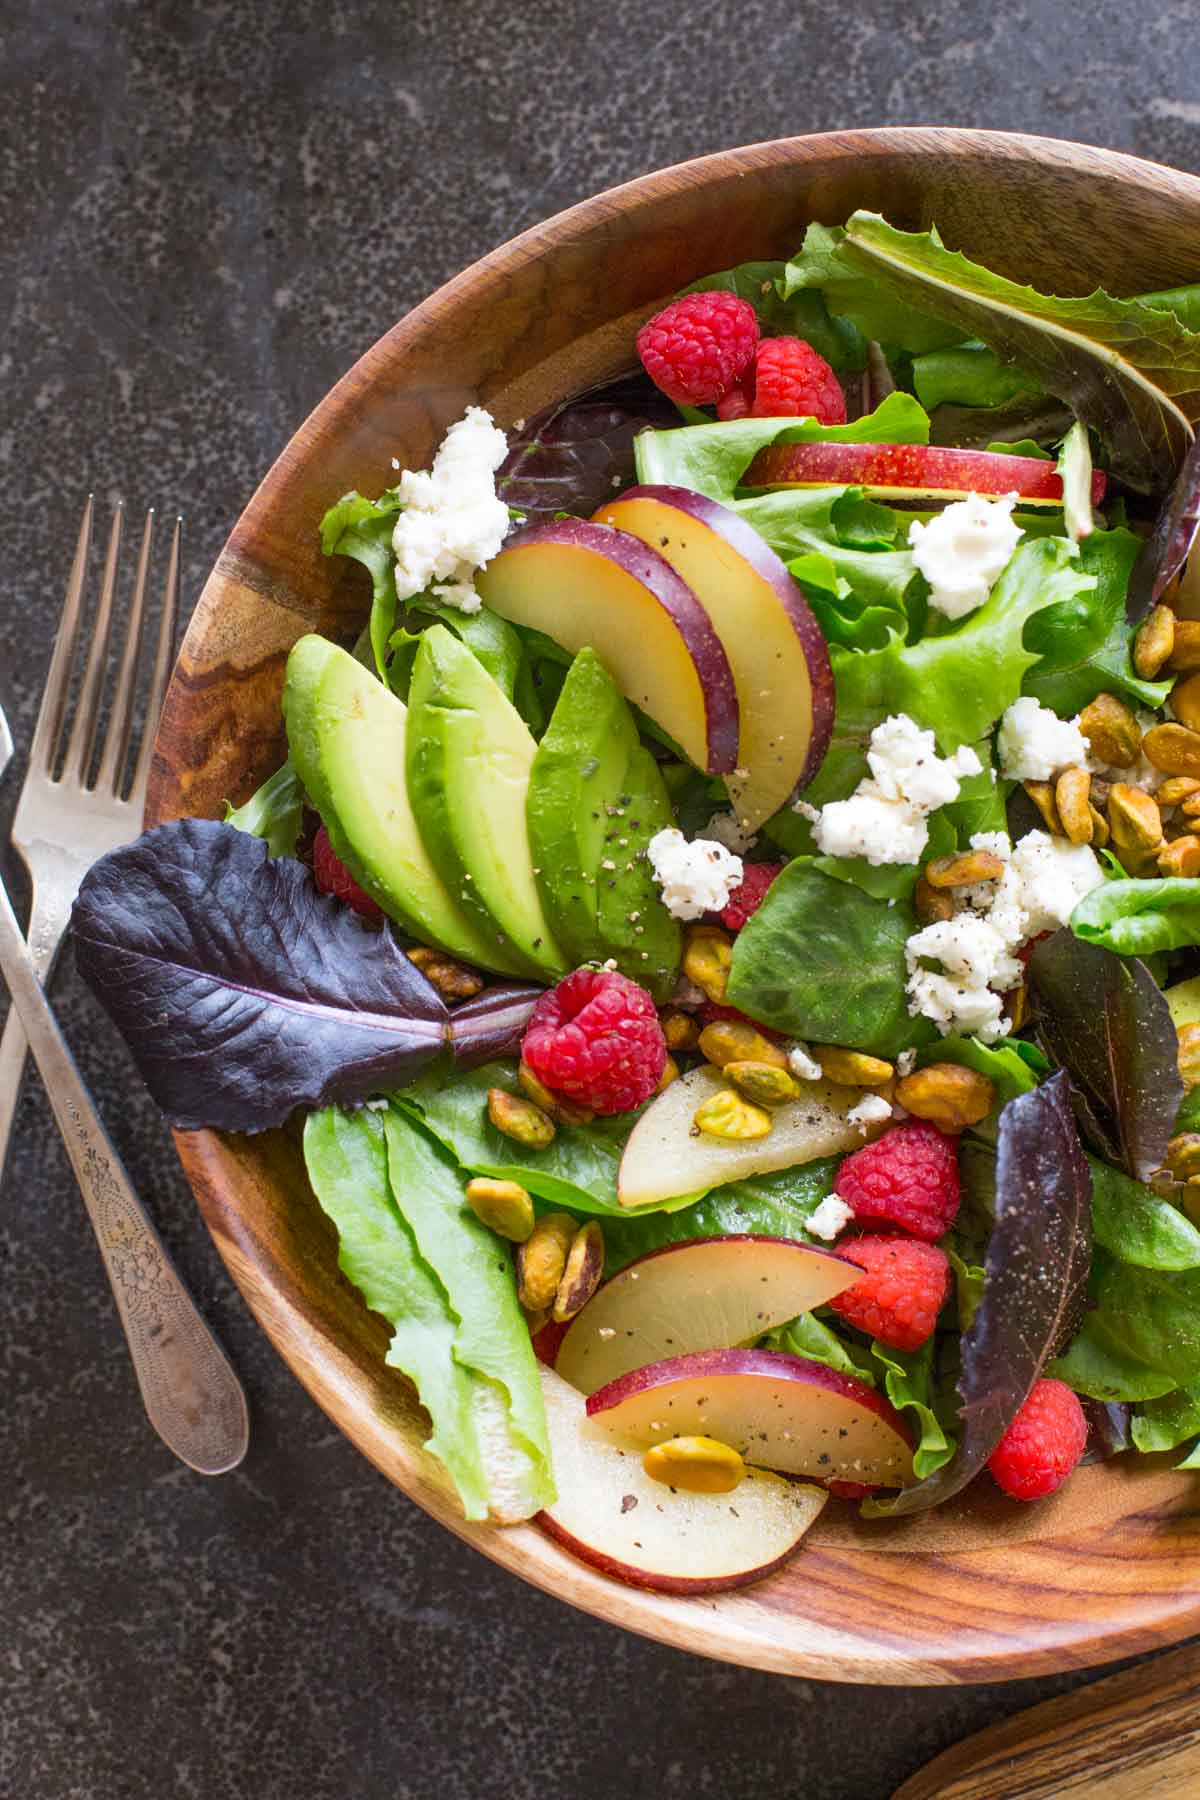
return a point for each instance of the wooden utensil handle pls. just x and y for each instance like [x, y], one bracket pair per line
[1128, 1737]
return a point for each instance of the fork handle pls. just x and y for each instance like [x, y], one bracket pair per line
[48, 922]
[192, 1396]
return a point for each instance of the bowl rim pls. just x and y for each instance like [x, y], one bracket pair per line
[761, 1637]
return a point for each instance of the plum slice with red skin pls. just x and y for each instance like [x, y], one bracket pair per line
[911, 469]
[585, 584]
[775, 646]
[783, 1412]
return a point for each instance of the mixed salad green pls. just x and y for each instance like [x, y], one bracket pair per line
[979, 852]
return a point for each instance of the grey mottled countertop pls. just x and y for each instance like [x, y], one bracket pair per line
[209, 210]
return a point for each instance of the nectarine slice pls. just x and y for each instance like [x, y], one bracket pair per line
[911, 469]
[611, 1514]
[775, 647]
[707, 1294]
[666, 1157]
[786, 1412]
[585, 584]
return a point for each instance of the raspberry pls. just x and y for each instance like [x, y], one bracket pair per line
[901, 1291]
[1043, 1443]
[596, 1039]
[333, 877]
[851, 1490]
[736, 402]
[749, 894]
[696, 347]
[908, 1179]
[791, 380]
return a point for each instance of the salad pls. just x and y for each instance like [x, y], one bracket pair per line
[730, 927]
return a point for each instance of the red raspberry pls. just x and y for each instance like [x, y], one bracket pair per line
[901, 1293]
[1043, 1443]
[736, 402]
[791, 380]
[697, 347]
[596, 1039]
[908, 1178]
[749, 894]
[852, 1490]
[333, 877]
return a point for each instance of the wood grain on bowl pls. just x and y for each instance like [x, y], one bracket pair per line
[983, 1592]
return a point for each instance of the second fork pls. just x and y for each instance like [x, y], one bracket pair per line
[65, 821]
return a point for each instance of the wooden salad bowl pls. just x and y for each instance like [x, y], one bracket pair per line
[985, 1589]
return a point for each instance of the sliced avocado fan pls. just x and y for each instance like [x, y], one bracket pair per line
[596, 798]
[469, 756]
[347, 734]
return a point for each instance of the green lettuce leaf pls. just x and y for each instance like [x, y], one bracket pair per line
[275, 812]
[1083, 641]
[347, 1159]
[877, 311]
[362, 529]
[775, 1205]
[491, 1338]
[713, 458]
[578, 1171]
[817, 1341]
[822, 960]
[1151, 1315]
[961, 681]
[1115, 362]
[1137, 1225]
[1139, 918]
[492, 641]
[1099, 1365]
[969, 375]
[908, 1383]
[801, 314]
[1170, 1420]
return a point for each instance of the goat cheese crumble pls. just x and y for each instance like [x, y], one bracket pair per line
[453, 522]
[803, 1064]
[830, 1218]
[696, 877]
[885, 819]
[1034, 744]
[872, 1109]
[963, 550]
[973, 954]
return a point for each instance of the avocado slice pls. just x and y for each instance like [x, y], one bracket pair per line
[468, 761]
[573, 787]
[633, 925]
[346, 733]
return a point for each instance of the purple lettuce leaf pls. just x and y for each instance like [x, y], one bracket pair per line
[1166, 550]
[1103, 1018]
[579, 453]
[1108, 1424]
[243, 992]
[1035, 1284]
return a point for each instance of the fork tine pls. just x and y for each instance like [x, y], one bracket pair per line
[163, 661]
[120, 725]
[48, 729]
[83, 730]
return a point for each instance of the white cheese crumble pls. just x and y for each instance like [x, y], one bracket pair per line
[1044, 880]
[972, 960]
[803, 1064]
[830, 1218]
[884, 820]
[872, 1109]
[696, 877]
[962, 551]
[906, 1062]
[453, 522]
[1034, 744]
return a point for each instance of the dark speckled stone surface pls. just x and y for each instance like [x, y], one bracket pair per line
[208, 212]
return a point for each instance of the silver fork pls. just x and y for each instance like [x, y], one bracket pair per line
[62, 826]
